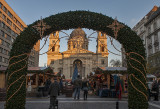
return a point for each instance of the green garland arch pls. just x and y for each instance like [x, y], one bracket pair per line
[16, 91]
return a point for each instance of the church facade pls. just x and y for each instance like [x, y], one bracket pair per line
[77, 54]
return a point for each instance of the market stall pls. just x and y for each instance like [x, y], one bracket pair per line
[112, 80]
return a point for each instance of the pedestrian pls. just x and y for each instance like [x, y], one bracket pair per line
[77, 85]
[156, 89]
[53, 92]
[85, 87]
[61, 85]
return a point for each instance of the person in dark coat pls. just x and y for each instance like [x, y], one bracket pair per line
[85, 87]
[61, 85]
[77, 86]
[53, 92]
[156, 89]
[47, 84]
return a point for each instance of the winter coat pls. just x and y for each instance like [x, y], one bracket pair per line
[54, 89]
[78, 83]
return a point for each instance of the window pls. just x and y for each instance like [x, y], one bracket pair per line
[9, 22]
[53, 48]
[4, 9]
[0, 14]
[74, 46]
[102, 61]
[150, 50]
[68, 47]
[2, 33]
[9, 29]
[3, 25]
[141, 29]
[102, 49]
[9, 37]
[18, 23]
[0, 58]
[22, 27]
[53, 41]
[18, 30]
[9, 14]
[149, 30]
[155, 25]
[52, 61]
[4, 51]
[7, 44]
[3, 17]
[3, 59]
[8, 53]
[14, 26]
[0, 5]
[12, 39]
[1, 49]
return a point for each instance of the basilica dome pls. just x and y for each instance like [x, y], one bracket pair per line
[78, 32]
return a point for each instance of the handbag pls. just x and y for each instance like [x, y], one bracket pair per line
[85, 88]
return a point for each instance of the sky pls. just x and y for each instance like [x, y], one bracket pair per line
[126, 11]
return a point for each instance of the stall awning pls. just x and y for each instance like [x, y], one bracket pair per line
[30, 74]
[112, 70]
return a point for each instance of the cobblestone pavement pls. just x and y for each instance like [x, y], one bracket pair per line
[93, 102]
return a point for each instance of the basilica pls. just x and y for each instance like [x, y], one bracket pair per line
[77, 54]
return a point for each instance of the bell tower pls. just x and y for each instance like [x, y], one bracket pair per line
[102, 44]
[54, 46]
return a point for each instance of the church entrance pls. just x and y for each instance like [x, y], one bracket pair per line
[79, 66]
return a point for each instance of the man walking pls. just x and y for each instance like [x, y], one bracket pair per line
[53, 92]
[77, 85]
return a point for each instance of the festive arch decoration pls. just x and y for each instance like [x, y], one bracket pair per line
[135, 52]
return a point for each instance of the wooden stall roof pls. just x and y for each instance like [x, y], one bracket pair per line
[33, 70]
[112, 70]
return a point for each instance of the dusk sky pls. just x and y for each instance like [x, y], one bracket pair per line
[126, 11]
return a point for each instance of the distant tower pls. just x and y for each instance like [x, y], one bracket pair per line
[54, 46]
[102, 50]
[102, 44]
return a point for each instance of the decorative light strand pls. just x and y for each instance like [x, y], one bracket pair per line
[139, 81]
[137, 89]
[15, 92]
[16, 71]
[14, 82]
[128, 54]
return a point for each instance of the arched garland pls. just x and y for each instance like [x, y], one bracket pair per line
[16, 91]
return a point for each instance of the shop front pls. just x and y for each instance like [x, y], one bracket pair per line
[111, 82]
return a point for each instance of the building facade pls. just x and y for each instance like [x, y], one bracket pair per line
[149, 31]
[77, 54]
[11, 26]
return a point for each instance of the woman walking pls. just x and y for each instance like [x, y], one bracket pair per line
[85, 88]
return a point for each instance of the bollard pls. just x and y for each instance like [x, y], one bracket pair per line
[117, 105]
